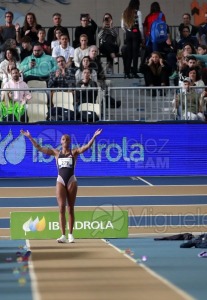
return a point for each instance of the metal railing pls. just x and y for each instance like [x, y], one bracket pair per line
[145, 104]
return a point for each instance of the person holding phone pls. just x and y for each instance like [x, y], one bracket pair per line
[38, 66]
[109, 40]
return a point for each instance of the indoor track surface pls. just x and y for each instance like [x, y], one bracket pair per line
[137, 267]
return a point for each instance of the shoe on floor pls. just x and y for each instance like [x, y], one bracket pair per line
[71, 238]
[62, 239]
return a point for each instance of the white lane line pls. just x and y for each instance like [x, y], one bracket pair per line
[154, 274]
[34, 286]
[147, 182]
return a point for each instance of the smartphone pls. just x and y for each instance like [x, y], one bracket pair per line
[33, 60]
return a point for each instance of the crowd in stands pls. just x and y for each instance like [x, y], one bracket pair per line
[31, 53]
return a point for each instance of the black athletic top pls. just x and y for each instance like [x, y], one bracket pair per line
[65, 165]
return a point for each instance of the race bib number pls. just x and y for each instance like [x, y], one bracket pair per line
[65, 162]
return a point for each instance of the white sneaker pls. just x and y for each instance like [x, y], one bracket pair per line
[71, 238]
[62, 239]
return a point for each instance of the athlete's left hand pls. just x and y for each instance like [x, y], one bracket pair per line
[97, 132]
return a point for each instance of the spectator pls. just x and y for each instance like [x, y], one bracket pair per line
[109, 40]
[81, 51]
[30, 27]
[156, 71]
[63, 77]
[57, 20]
[11, 43]
[18, 96]
[38, 66]
[26, 47]
[88, 27]
[95, 64]
[64, 49]
[85, 63]
[11, 58]
[187, 38]
[86, 95]
[57, 36]
[189, 62]
[132, 25]
[187, 104]
[195, 76]
[202, 32]
[9, 30]
[155, 10]
[41, 39]
[186, 22]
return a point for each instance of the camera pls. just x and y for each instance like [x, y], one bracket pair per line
[106, 19]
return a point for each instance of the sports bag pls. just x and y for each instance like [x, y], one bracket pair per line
[158, 31]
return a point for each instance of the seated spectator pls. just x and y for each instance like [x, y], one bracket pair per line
[63, 77]
[9, 30]
[95, 64]
[56, 38]
[189, 62]
[41, 39]
[109, 40]
[30, 27]
[81, 51]
[195, 76]
[38, 66]
[202, 32]
[187, 38]
[26, 47]
[193, 110]
[57, 20]
[65, 50]
[186, 22]
[7, 73]
[11, 57]
[88, 27]
[85, 63]
[201, 56]
[86, 95]
[156, 71]
[19, 95]
[11, 43]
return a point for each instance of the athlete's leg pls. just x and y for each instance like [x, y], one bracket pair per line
[61, 194]
[72, 192]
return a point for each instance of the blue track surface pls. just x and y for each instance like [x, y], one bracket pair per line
[107, 181]
[180, 266]
[12, 271]
[96, 201]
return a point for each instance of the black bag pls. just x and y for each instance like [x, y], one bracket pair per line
[61, 114]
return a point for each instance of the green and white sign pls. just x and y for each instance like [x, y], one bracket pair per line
[100, 223]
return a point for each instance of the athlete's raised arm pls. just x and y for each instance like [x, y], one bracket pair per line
[45, 150]
[89, 144]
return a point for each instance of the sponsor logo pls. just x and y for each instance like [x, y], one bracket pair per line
[34, 225]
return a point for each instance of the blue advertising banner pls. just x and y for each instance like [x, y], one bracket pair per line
[121, 149]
